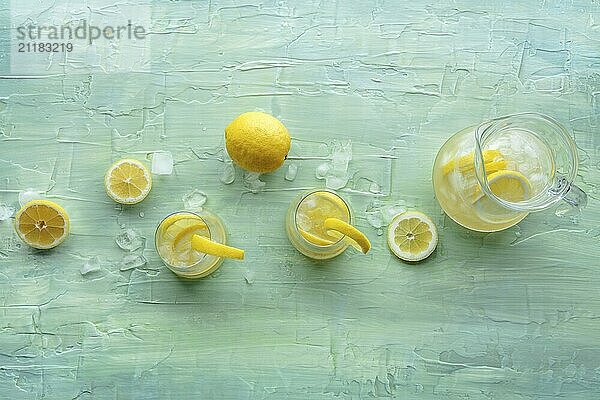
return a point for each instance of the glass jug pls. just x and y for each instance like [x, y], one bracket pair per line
[489, 177]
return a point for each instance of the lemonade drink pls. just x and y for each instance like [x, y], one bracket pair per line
[517, 164]
[173, 240]
[307, 225]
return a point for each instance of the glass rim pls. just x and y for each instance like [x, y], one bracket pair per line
[156, 235]
[295, 224]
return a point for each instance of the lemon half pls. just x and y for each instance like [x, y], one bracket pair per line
[42, 224]
[257, 142]
[412, 236]
[128, 181]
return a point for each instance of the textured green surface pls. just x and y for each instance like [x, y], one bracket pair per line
[513, 315]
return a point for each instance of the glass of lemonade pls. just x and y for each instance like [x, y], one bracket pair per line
[173, 240]
[489, 177]
[306, 228]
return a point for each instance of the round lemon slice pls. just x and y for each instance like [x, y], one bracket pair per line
[508, 185]
[412, 236]
[128, 181]
[357, 239]
[42, 224]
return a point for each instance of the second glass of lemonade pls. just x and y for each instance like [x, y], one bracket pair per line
[306, 228]
[173, 240]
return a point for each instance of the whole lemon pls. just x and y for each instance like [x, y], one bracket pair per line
[257, 142]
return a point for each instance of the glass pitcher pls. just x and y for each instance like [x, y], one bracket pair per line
[489, 177]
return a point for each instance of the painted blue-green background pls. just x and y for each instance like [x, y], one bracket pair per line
[512, 315]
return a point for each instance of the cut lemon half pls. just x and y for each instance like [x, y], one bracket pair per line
[128, 181]
[412, 236]
[42, 224]
[357, 239]
[207, 246]
[508, 185]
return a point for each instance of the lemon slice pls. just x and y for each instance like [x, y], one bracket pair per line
[42, 224]
[128, 181]
[508, 185]
[184, 235]
[357, 239]
[207, 246]
[315, 239]
[493, 161]
[412, 236]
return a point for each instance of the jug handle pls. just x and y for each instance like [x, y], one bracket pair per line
[570, 192]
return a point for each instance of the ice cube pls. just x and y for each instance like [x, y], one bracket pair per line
[341, 156]
[374, 188]
[194, 200]
[92, 264]
[335, 182]
[28, 195]
[6, 212]
[389, 212]
[130, 239]
[291, 172]
[228, 173]
[162, 163]
[132, 261]
[375, 219]
[252, 182]
[323, 170]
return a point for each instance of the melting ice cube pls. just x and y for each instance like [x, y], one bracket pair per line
[132, 261]
[194, 200]
[252, 182]
[28, 195]
[162, 163]
[228, 173]
[6, 212]
[129, 239]
[91, 265]
[291, 172]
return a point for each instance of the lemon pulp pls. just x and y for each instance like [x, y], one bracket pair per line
[128, 181]
[412, 236]
[42, 224]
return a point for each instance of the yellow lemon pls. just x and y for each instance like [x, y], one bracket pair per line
[42, 224]
[257, 142]
[128, 182]
[412, 236]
